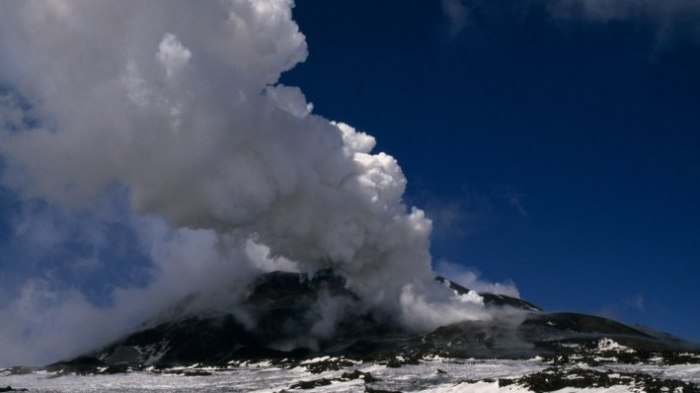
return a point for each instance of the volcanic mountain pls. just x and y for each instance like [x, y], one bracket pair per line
[279, 313]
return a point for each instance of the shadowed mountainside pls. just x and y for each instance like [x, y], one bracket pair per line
[285, 315]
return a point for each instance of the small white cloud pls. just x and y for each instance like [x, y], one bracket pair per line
[172, 55]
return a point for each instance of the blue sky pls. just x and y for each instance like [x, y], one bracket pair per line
[557, 152]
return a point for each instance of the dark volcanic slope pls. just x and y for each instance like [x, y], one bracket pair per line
[285, 309]
[491, 299]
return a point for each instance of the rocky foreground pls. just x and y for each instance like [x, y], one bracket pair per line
[595, 370]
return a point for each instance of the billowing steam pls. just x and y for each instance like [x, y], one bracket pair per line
[178, 103]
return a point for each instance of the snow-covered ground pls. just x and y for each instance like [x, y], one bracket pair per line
[684, 372]
[432, 375]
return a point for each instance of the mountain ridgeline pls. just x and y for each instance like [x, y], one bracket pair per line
[279, 320]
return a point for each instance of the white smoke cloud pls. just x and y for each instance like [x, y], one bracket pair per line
[47, 317]
[178, 103]
[470, 278]
[427, 313]
[191, 122]
[180, 116]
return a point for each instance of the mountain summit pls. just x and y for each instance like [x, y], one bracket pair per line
[278, 320]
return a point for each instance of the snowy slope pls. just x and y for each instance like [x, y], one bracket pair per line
[536, 351]
[430, 375]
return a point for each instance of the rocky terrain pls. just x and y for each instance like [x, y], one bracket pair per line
[527, 349]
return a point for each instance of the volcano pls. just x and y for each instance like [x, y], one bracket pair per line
[268, 340]
[283, 306]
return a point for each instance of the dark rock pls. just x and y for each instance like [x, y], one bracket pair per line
[116, 369]
[328, 365]
[20, 370]
[283, 305]
[555, 379]
[367, 377]
[311, 384]
[502, 382]
[195, 373]
[82, 365]
[369, 389]
[398, 361]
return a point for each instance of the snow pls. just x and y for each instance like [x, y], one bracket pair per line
[492, 387]
[685, 372]
[611, 389]
[454, 376]
[316, 360]
[606, 344]
[478, 387]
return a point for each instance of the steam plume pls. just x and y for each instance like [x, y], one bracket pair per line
[179, 103]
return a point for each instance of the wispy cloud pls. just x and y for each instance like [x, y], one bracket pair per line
[634, 304]
[74, 279]
[670, 20]
[637, 302]
[457, 14]
[625, 9]
[512, 197]
[473, 212]
[459, 217]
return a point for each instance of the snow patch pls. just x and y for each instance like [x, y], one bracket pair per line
[606, 344]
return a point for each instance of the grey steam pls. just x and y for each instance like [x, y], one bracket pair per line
[178, 103]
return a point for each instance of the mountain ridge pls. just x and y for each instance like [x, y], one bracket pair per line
[283, 306]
